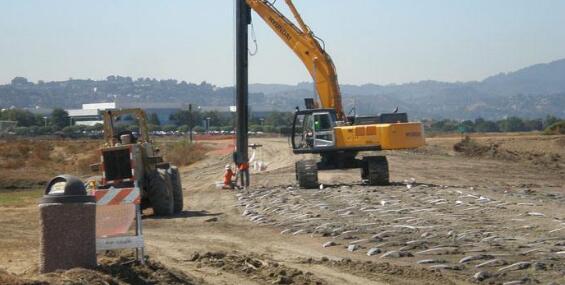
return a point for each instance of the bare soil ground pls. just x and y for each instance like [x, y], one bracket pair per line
[448, 218]
[116, 270]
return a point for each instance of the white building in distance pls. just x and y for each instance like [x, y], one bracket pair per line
[89, 115]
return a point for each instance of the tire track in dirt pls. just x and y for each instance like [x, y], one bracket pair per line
[173, 241]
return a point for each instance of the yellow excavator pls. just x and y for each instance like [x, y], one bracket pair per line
[323, 128]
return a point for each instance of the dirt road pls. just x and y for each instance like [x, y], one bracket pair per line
[478, 200]
[175, 240]
[446, 219]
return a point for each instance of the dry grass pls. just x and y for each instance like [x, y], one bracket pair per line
[83, 163]
[182, 153]
[17, 154]
[20, 153]
[556, 129]
[20, 198]
[28, 164]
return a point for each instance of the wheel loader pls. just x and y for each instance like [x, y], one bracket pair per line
[128, 160]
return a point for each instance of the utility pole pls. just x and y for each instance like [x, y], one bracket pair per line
[243, 19]
[191, 122]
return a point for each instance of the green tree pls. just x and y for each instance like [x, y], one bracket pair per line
[184, 117]
[169, 128]
[512, 124]
[444, 126]
[154, 119]
[533, 125]
[218, 119]
[556, 128]
[256, 128]
[24, 118]
[550, 120]
[279, 119]
[198, 129]
[19, 81]
[59, 118]
[180, 117]
[183, 128]
[466, 127]
[484, 126]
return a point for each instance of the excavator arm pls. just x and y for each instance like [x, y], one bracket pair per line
[302, 41]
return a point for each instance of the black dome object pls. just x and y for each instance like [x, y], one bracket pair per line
[73, 191]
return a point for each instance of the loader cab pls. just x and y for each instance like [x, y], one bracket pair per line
[313, 130]
[113, 119]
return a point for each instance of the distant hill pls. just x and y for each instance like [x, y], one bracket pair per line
[546, 78]
[534, 92]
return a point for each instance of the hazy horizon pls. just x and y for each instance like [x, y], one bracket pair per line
[277, 83]
[380, 42]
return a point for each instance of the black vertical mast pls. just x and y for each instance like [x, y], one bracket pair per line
[243, 19]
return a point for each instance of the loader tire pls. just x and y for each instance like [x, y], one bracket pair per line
[307, 174]
[375, 170]
[178, 202]
[160, 193]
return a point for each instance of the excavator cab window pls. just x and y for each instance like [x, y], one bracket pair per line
[313, 130]
[323, 129]
[322, 122]
[302, 137]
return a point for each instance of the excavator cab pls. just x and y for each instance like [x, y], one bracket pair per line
[313, 130]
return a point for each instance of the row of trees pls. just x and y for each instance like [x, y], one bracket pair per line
[275, 122]
[511, 124]
[272, 122]
[57, 120]
[31, 124]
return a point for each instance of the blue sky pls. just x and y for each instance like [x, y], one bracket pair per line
[371, 41]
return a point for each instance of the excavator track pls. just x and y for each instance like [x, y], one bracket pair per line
[307, 174]
[375, 170]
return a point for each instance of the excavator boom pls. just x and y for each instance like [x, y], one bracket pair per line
[302, 41]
